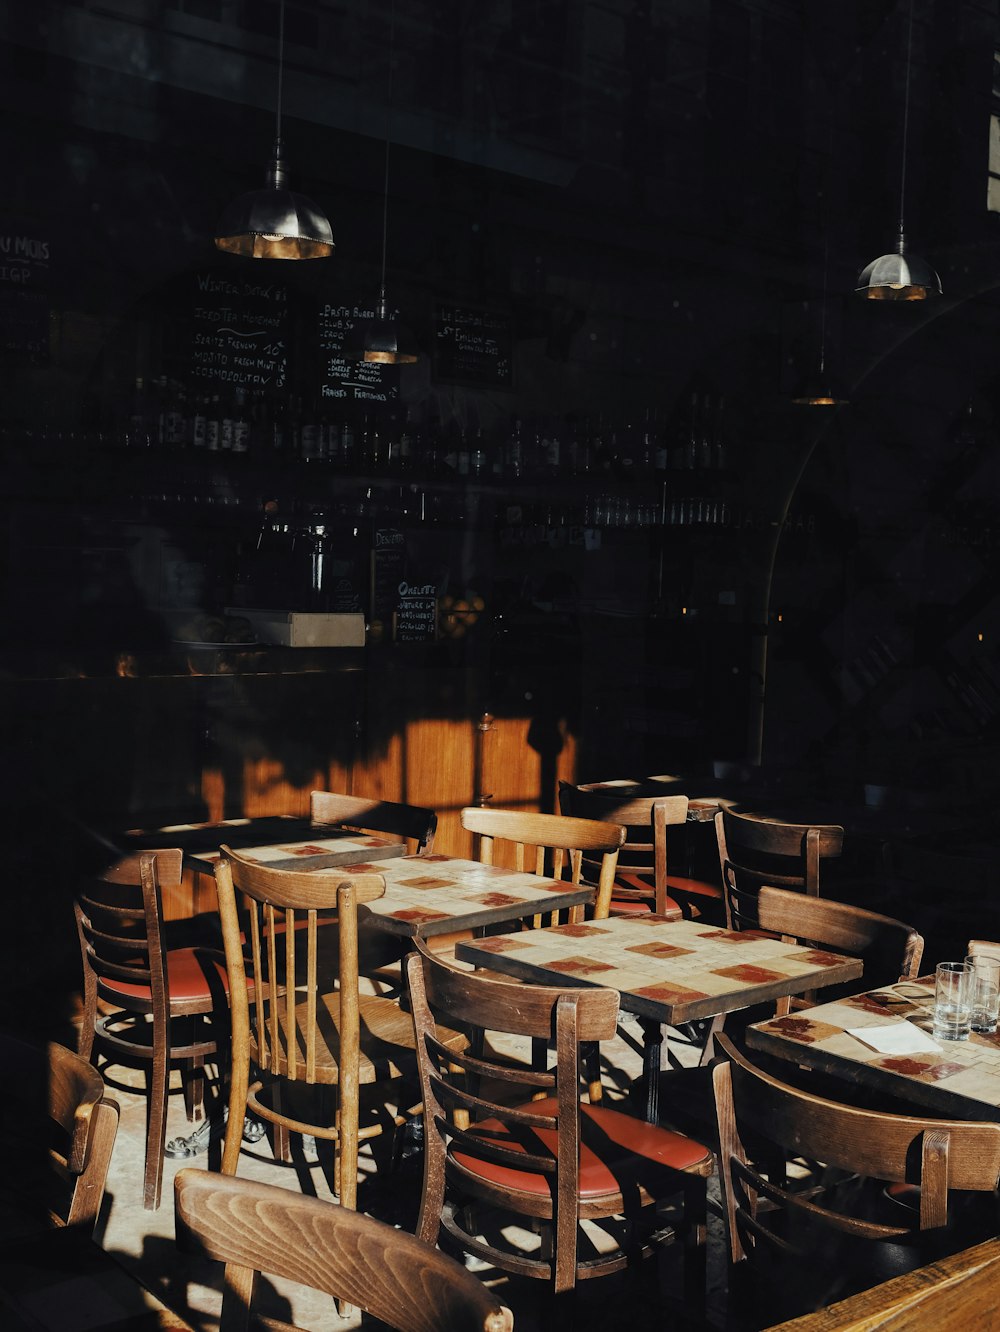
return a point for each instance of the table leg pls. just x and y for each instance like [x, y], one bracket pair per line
[652, 1049]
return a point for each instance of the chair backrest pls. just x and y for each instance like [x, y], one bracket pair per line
[450, 1081]
[119, 916]
[645, 818]
[754, 1107]
[550, 844]
[54, 1088]
[891, 949]
[276, 944]
[260, 1228]
[755, 850]
[416, 824]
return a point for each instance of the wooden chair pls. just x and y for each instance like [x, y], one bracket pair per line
[552, 1159]
[642, 881]
[259, 1229]
[755, 850]
[552, 845]
[294, 1032]
[807, 1243]
[891, 949]
[416, 824]
[163, 999]
[56, 1112]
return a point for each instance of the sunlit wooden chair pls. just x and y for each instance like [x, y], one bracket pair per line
[413, 822]
[643, 881]
[258, 1229]
[808, 1244]
[294, 1034]
[552, 845]
[555, 1161]
[755, 850]
[60, 1126]
[160, 1003]
[890, 950]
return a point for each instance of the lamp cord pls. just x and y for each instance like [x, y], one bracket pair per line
[906, 120]
[281, 68]
[388, 122]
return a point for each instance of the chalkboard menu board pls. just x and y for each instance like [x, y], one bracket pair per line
[239, 330]
[416, 614]
[24, 299]
[388, 572]
[342, 377]
[472, 346]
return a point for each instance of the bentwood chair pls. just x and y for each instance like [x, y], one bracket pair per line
[162, 1000]
[56, 1115]
[755, 850]
[552, 845]
[806, 1244]
[416, 824]
[259, 1229]
[643, 881]
[381, 952]
[295, 1039]
[890, 950]
[492, 1151]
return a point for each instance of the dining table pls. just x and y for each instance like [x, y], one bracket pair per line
[430, 895]
[666, 971]
[881, 1040]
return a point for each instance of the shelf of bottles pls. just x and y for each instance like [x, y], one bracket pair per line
[243, 447]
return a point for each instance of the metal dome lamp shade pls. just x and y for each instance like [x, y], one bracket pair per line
[274, 222]
[899, 276]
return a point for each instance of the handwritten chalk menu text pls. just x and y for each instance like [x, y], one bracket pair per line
[416, 614]
[239, 333]
[24, 300]
[472, 346]
[388, 572]
[343, 377]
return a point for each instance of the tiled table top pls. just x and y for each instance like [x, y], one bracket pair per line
[440, 894]
[668, 970]
[962, 1080]
[315, 853]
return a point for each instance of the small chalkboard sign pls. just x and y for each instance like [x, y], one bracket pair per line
[472, 346]
[239, 330]
[344, 378]
[388, 572]
[416, 614]
[24, 297]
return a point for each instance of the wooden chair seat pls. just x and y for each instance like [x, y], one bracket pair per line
[621, 1148]
[386, 1039]
[194, 976]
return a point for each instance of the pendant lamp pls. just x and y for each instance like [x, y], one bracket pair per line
[899, 275]
[384, 339]
[274, 222]
[817, 388]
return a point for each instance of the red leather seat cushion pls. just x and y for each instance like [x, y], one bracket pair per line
[630, 906]
[696, 887]
[192, 973]
[616, 1148]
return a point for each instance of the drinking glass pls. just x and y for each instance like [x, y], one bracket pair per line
[984, 990]
[952, 1001]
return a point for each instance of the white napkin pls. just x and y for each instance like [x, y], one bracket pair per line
[896, 1038]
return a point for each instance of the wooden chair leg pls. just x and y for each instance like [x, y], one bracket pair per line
[156, 1127]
